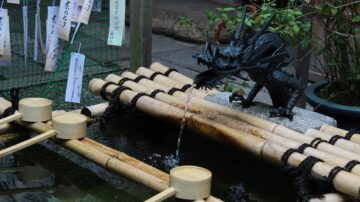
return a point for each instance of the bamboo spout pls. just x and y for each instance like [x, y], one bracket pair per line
[163, 80]
[157, 67]
[176, 76]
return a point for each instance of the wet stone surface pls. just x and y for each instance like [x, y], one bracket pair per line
[28, 196]
[303, 119]
[26, 177]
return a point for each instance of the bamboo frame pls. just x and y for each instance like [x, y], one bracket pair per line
[337, 131]
[344, 181]
[342, 143]
[163, 80]
[252, 120]
[331, 159]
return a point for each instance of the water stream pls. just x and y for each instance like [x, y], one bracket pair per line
[188, 97]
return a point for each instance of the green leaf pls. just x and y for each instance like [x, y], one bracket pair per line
[228, 9]
[333, 11]
[356, 19]
[296, 29]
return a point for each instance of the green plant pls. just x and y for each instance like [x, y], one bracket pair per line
[288, 23]
[229, 87]
[183, 20]
[340, 48]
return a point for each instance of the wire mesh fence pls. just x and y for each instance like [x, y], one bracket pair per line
[29, 75]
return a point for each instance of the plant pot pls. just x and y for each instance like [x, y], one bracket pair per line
[347, 117]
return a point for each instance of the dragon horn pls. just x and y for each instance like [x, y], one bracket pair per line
[262, 30]
[236, 41]
[215, 53]
[207, 48]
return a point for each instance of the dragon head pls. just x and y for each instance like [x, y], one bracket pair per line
[243, 53]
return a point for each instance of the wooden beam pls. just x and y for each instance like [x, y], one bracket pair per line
[140, 33]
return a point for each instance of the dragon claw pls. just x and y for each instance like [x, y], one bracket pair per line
[282, 112]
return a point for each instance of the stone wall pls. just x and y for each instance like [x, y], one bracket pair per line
[228, 2]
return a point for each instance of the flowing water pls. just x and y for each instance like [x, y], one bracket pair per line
[183, 121]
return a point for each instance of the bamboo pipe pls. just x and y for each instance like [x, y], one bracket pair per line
[94, 110]
[342, 143]
[127, 159]
[140, 88]
[331, 197]
[10, 118]
[176, 76]
[27, 143]
[309, 151]
[331, 159]
[344, 182]
[162, 196]
[6, 128]
[157, 67]
[253, 120]
[90, 149]
[144, 82]
[337, 131]
[4, 104]
[161, 79]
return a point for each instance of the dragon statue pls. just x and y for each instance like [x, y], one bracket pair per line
[262, 55]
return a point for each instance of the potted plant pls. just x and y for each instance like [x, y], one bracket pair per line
[338, 49]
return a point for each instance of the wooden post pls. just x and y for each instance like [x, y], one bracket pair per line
[302, 71]
[302, 66]
[140, 33]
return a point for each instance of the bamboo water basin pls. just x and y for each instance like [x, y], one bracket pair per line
[148, 142]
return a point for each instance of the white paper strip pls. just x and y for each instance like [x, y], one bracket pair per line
[40, 38]
[13, 1]
[6, 58]
[64, 23]
[75, 32]
[51, 22]
[75, 77]
[86, 11]
[80, 2]
[53, 54]
[36, 40]
[3, 15]
[97, 6]
[75, 13]
[117, 22]
[26, 32]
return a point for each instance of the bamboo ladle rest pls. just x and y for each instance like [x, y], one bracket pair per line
[186, 182]
[66, 126]
[31, 110]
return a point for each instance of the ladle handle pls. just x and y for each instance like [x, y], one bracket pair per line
[27, 143]
[167, 193]
[10, 118]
